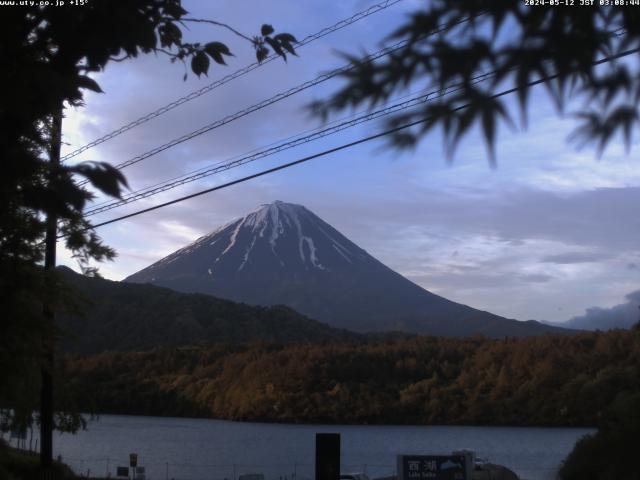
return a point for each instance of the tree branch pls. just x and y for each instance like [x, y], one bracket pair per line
[121, 59]
[219, 24]
[166, 52]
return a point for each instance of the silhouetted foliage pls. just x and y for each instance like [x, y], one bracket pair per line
[17, 465]
[611, 453]
[548, 380]
[519, 44]
[46, 55]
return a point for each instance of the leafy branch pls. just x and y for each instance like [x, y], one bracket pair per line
[518, 45]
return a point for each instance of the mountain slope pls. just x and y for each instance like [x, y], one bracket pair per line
[284, 254]
[122, 316]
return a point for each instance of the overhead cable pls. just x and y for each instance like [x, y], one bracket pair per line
[232, 76]
[342, 147]
[296, 141]
[276, 98]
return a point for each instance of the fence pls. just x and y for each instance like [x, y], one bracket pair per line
[160, 469]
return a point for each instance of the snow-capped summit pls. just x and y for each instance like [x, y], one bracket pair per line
[282, 253]
[276, 236]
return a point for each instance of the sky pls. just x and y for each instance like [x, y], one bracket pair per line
[549, 234]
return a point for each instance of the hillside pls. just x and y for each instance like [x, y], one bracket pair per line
[124, 316]
[549, 380]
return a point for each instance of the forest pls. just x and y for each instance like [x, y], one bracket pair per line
[546, 381]
[109, 315]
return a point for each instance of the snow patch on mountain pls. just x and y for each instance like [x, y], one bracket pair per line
[246, 254]
[271, 222]
[312, 253]
[341, 249]
[232, 240]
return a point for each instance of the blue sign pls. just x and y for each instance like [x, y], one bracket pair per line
[432, 467]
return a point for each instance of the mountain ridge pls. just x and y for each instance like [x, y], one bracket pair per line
[282, 253]
[115, 316]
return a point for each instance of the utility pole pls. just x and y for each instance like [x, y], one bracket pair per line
[46, 388]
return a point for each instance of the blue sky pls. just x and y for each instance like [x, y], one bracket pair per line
[549, 233]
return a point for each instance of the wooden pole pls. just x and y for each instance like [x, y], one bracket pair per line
[46, 388]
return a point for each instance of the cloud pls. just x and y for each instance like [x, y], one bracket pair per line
[576, 257]
[587, 226]
[536, 278]
[619, 316]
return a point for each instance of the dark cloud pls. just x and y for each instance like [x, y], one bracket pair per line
[619, 316]
[634, 297]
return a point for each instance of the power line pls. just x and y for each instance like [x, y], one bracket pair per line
[342, 147]
[222, 162]
[277, 147]
[296, 141]
[242, 113]
[276, 98]
[254, 154]
[238, 73]
[256, 175]
[253, 108]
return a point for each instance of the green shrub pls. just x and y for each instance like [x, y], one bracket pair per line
[17, 465]
[611, 453]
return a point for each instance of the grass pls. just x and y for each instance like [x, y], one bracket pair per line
[20, 465]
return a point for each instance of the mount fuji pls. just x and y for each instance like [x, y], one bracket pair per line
[282, 253]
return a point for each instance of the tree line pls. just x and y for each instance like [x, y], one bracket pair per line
[547, 380]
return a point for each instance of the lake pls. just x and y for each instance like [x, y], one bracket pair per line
[193, 449]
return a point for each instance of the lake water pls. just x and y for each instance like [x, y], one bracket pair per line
[193, 449]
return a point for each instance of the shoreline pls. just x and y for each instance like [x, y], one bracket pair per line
[332, 424]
